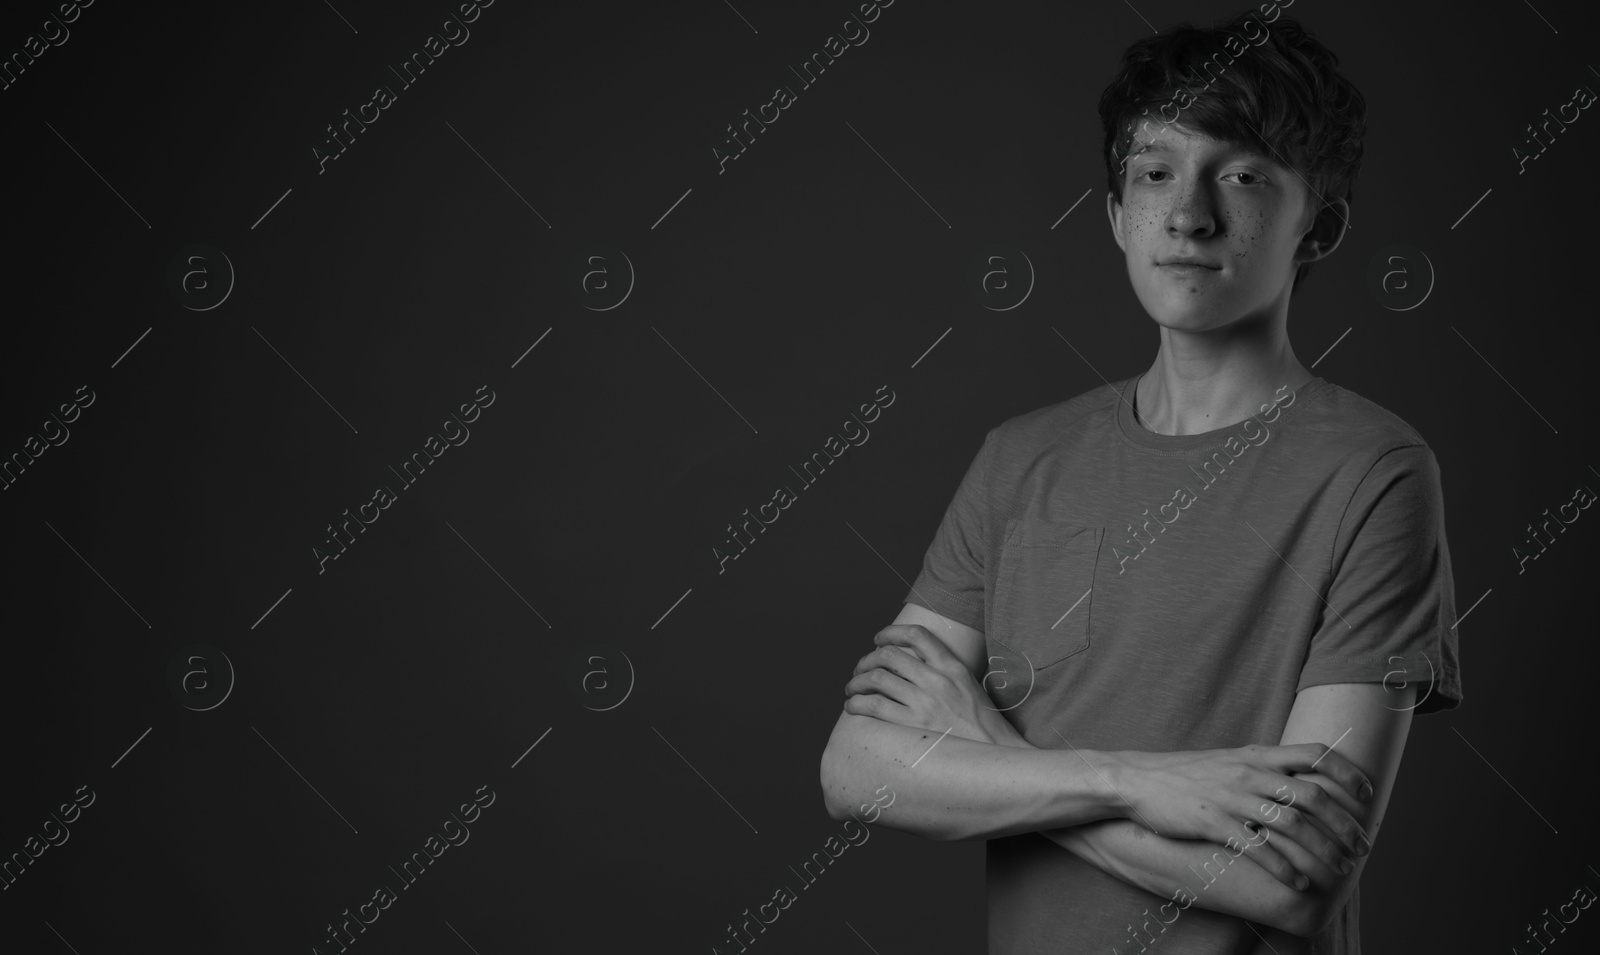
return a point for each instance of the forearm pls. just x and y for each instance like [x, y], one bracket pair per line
[1126, 850]
[1208, 875]
[963, 789]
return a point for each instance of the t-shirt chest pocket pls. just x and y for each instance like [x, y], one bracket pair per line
[1043, 593]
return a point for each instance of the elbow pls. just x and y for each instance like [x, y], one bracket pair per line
[830, 800]
[845, 797]
[946, 833]
[835, 792]
[852, 763]
[1298, 919]
[835, 804]
[841, 772]
[1308, 914]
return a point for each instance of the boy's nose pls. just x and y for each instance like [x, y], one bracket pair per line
[1191, 214]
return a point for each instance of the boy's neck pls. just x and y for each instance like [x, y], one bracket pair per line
[1178, 397]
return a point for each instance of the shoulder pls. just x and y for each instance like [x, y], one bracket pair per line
[1371, 459]
[1334, 408]
[1354, 430]
[1042, 427]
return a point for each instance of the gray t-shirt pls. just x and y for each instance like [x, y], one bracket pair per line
[1140, 591]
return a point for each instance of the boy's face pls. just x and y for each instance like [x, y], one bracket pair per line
[1247, 218]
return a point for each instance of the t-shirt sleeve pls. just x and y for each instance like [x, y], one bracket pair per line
[1389, 612]
[952, 576]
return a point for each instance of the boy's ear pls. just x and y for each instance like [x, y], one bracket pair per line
[1327, 230]
[1114, 213]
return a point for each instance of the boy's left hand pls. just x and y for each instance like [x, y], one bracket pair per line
[912, 679]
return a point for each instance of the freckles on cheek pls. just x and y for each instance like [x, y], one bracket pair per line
[1249, 231]
[1145, 220]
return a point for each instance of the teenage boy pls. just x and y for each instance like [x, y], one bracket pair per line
[1165, 647]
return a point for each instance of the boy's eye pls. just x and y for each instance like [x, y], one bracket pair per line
[1252, 178]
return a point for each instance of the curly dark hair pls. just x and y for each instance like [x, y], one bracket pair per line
[1265, 84]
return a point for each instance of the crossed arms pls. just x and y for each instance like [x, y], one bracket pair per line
[916, 718]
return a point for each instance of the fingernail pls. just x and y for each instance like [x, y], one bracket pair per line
[1301, 882]
[1362, 845]
[1366, 791]
[1345, 865]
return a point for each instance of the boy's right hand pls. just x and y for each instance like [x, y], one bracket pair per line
[1248, 794]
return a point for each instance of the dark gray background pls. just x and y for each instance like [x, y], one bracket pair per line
[410, 673]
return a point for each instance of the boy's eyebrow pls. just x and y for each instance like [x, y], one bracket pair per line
[1160, 146]
[1154, 146]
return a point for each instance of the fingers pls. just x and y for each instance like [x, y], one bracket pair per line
[1351, 804]
[918, 640]
[879, 708]
[1340, 770]
[881, 682]
[902, 663]
[1327, 835]
[1263, 853]
[1318, 757]
[1288, 861]
[1297, 825]
[1321, 808]
[1342, 774]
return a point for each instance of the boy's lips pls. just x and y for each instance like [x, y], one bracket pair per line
[1189, 270]
[1188, 260]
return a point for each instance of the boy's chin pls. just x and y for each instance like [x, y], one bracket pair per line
[1190, 319]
